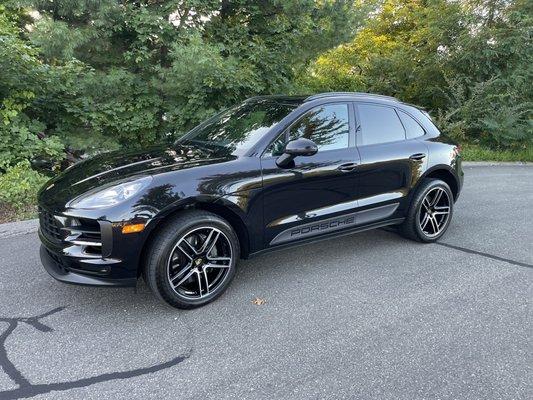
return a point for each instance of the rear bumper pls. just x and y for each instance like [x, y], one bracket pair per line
[63, 272]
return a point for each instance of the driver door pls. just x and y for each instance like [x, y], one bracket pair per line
[316, 194]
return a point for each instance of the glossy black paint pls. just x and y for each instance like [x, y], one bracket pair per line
[328, 193]
[301, 147]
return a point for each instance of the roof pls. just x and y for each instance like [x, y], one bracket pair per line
[296, 100]
[300, 99]
[351, 94]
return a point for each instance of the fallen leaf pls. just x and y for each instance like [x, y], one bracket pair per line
[258, 301]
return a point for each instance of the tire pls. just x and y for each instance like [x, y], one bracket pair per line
[417, 226]
[186, 264]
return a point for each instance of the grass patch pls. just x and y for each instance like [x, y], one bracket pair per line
[478, 153]
[18, 192]
[9, 213]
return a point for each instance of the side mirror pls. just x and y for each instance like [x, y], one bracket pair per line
[298, 147]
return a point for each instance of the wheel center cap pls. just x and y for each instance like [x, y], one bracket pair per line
[198, 262]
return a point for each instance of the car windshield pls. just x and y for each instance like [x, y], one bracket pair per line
[238, 128]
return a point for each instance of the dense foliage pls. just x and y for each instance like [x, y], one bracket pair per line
[468, 62]
[85, 76]
[81, 76]
[115, 73]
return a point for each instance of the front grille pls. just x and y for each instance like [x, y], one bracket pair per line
[86, 235]
[50, 226]
[81, 236]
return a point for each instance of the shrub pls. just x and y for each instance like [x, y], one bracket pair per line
[19, 186]
[19, 141]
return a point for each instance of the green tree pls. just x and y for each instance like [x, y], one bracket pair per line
[156, 68]
[21, 82]
[467, 62]
[86, 75]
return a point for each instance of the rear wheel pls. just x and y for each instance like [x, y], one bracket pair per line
[430, 212]
[192, 259]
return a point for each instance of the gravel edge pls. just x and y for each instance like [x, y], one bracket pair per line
[496, 164]
[18, 228]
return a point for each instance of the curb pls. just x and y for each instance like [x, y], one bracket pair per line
[496, 164]
[18, 228]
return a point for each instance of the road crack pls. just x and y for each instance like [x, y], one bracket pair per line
[487, 255]
[27, 389]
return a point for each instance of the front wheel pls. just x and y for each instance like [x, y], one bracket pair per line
[430, 212]
[192, 259]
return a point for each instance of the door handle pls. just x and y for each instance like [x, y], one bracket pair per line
[417, 156]
[347, 167]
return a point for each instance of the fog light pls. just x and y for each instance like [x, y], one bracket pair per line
[133, 228]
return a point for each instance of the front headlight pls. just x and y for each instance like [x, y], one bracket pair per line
[99, 198]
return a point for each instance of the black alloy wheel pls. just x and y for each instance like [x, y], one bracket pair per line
[192, 259]
[435, 211]
[430, 212]
[200, 262]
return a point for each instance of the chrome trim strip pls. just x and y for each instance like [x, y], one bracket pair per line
[346, 206]
[318, 212]
[85, 243]
[380, 198]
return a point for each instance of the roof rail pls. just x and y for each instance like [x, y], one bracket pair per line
[357, 94]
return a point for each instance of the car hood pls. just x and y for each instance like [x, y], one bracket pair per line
[113, 167]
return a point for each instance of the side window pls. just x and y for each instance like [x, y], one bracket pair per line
[277, 146]
[379, 124]
[328, 126]
[325, 125]
[412, 128]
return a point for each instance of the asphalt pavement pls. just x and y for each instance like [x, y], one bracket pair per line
[367, 316]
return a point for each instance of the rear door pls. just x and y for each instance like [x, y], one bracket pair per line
[391, 162]
[311, 197]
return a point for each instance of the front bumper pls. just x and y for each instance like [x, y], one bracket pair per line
[56, 268]
[88, 252]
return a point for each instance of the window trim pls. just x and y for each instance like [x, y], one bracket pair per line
[359, 129]
[351, 127]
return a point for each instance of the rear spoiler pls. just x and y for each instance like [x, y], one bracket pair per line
[426, 114]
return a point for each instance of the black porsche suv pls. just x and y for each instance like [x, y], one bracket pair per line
[270, 172]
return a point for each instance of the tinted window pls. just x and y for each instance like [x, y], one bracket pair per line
[412, 128]
[277, 146]
[379, 124]
[238, 128]
[326, 125]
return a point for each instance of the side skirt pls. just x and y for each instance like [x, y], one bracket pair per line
[334, 224]
[327, 236]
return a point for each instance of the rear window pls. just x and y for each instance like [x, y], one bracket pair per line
[412, 128]
[379, 124]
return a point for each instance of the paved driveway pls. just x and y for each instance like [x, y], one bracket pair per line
[364, 316]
